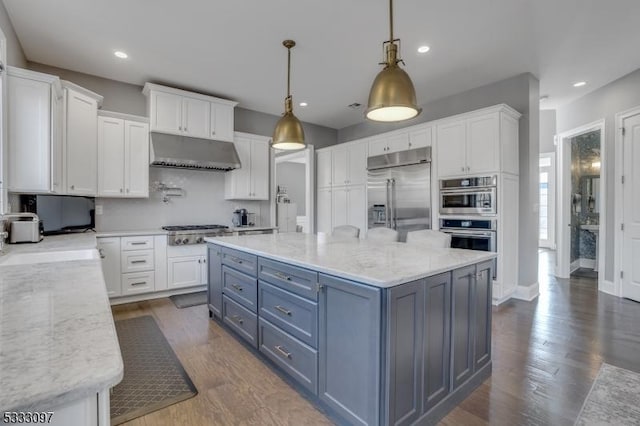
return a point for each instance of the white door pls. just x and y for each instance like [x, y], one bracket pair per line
[420, 138]
[631, 209]
[483, 144]
[323, 167]
[358, 208]
[109, 249]
[340, 166]
[111, 161]
[29, 135]
[259, 169]
[547, 200]
[166, 112]
[136, 144]
[221, 122]
[358, 164]
[324, 210]
[340, 203]
[184, 271]
[81, 144]
[196, 115]
[451, 154]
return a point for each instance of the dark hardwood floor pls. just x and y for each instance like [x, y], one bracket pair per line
[546, 354]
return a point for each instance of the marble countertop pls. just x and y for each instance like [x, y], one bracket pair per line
[251, 228]
[374, 263]
[58, 342]
[105, 234]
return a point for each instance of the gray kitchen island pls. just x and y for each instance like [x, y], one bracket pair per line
[380, 334]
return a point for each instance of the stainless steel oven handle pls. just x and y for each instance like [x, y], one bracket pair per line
[387, 209]
[393, 204]
[469, 233]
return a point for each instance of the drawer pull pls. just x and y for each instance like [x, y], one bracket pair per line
[238, 319]
[283, 352]
[283, 310]
[282, 276]
[237, 287]
[138, 243]
[138, 261]
[139, 283]
[236, 260]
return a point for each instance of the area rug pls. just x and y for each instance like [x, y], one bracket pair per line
[153, 376]
[614, 399]
[188, 300]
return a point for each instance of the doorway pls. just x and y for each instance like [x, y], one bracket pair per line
[293, 183]
[581, 203]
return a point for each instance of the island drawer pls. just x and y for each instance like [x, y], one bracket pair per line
[297, 359]
[137, 243]
[137, 260]
[297, 280]
[241, 288]
[240, 320]
[294, 314]
[138, 282]
[241, 261]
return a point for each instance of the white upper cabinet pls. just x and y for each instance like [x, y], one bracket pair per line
[483, 142]
[251, 180]
[196, 115]
[341, 165]
[419, 137]
[123, 157]
[323, 167]
[81, 140]
[357, 164]
[33, 139]
[185, 113]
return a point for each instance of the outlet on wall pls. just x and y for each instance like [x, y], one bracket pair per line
[98, 209]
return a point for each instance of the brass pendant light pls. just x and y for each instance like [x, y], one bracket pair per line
[392, 96]
[288, 133]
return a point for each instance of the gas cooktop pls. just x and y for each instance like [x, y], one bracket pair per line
[173, 228]
[179, 235]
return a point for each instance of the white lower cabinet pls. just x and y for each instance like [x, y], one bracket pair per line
[109, 249]
[324, 210]
[138, 282]
[349, 207]
[186, 266]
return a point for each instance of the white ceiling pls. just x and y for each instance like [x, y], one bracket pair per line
[233, 48]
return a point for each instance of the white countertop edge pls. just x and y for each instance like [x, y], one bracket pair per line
[144, 232]
[481, 257]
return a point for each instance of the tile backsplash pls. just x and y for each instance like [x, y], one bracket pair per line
[202, 202]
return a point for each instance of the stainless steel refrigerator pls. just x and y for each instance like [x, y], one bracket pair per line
[399, 191]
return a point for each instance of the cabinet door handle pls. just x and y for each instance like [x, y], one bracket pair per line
[120, 190]
[138, 243]
[409, 144]
[138, 261]
[180, 128]
[462, 169]
[237, 287]
[185, 129]
[204, 260]
[282, 276]
[127, 190]
[283, 310]
[139, 283]
[282, 351]
[73, 187]
[213, 132]
[199, 260]
[101, 251]
[238, 319]
[236, 260]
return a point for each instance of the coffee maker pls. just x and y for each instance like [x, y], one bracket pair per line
[240, 217]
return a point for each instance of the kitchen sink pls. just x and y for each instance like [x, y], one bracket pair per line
[48, 256]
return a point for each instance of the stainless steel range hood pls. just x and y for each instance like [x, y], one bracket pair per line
[186, 152]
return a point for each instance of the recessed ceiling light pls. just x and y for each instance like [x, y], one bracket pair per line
[303, 104]
[423, 49]
[579, 84]
[120, 54]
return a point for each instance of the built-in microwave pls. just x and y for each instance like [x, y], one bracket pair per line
[469, 196]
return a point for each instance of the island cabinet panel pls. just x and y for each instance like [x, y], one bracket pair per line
[214, 294]
[296, 280]
[349, 349]
[405, 333]
[437, 340]
[240, 287]
[241, 261]
[462, 324]
[297, 359]
[241, 320]
[294, 314]
[482, 314]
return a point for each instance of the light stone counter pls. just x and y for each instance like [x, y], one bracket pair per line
[105, 234]
[378, 264]
[57, 337]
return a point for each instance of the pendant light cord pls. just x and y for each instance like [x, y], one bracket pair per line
[391, 21]
[288, 72]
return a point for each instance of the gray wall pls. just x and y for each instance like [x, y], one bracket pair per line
[604, 103]
[15, 54]
[292, 176]
[520, 92]
[547, 130]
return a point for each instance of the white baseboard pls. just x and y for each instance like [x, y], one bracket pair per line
[582, 263]
[607, 287]
[155, 295]
[528, 292]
